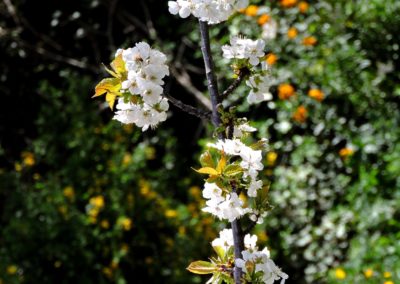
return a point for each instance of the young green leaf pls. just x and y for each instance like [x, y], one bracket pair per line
[202, 267]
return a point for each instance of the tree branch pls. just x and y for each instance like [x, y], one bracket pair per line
[241, 76]
[187, 108]
[216, 120]
[211, 79]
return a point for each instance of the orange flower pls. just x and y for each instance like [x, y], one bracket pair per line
[251, 10]
[309, 41]
[292, 33]
[345, 152]
[263, 19]
[316, 94]
[288, 3]
[303, 7]
[285, 91]
[271, 59]
[300, 114]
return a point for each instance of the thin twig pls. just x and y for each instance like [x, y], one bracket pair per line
[187, 108]
[241, 76]
[183, 79]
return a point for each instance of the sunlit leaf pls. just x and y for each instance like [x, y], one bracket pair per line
[206, 160]
[208, 171]
[221, 164]
[110, 87]
[233, 170]
[220, 251]
[202, 267]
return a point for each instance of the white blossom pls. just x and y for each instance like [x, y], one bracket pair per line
[240, 130]
[263, 263]
[146, 68]
[242, 48]
[260, 85]
[225, 239]
[211, 11]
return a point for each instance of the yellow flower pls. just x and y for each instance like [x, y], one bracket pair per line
[171, 213]
[63, 210]
[264, 18]
[262, 236]
[387, 274]
[303, 7]
[28, 159]
[288, 3]
[388, 282]
[124, 248]
[69, 192]
[12, 269]
[148, 260]
[126, 159]
[340, 273]
[316, 94]
[285, 91]
[251, 10]
[126, 223]
[97, 201]
[345, 152]
[182, 230]
[368, 273]
[57, 264]
[195, 191]
[300, 114]
[107, 272]
[150, 153]
[105, 224]
[292, 33]
[271, 59]
[309, 41]
[18, 167]
[271, 158]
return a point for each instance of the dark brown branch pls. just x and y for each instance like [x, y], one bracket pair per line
[211, 79]
[216, 120]
[187, 108]
[241, 76]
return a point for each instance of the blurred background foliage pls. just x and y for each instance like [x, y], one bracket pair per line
[84, 199]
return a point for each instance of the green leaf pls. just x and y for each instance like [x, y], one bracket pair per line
[202, 267]
[220, 252]
[233, 170]
[206, 160]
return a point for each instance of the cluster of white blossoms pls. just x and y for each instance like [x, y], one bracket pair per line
[259, 261]
[243, 48]
[229, 206]
[146, 69]
[253, 50]
[211, 11]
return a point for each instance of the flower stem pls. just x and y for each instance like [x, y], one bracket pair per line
[216, 120]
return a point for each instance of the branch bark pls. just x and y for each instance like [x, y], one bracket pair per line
[241, 76]
[211, 79]
[187, 108]
[216, 120]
